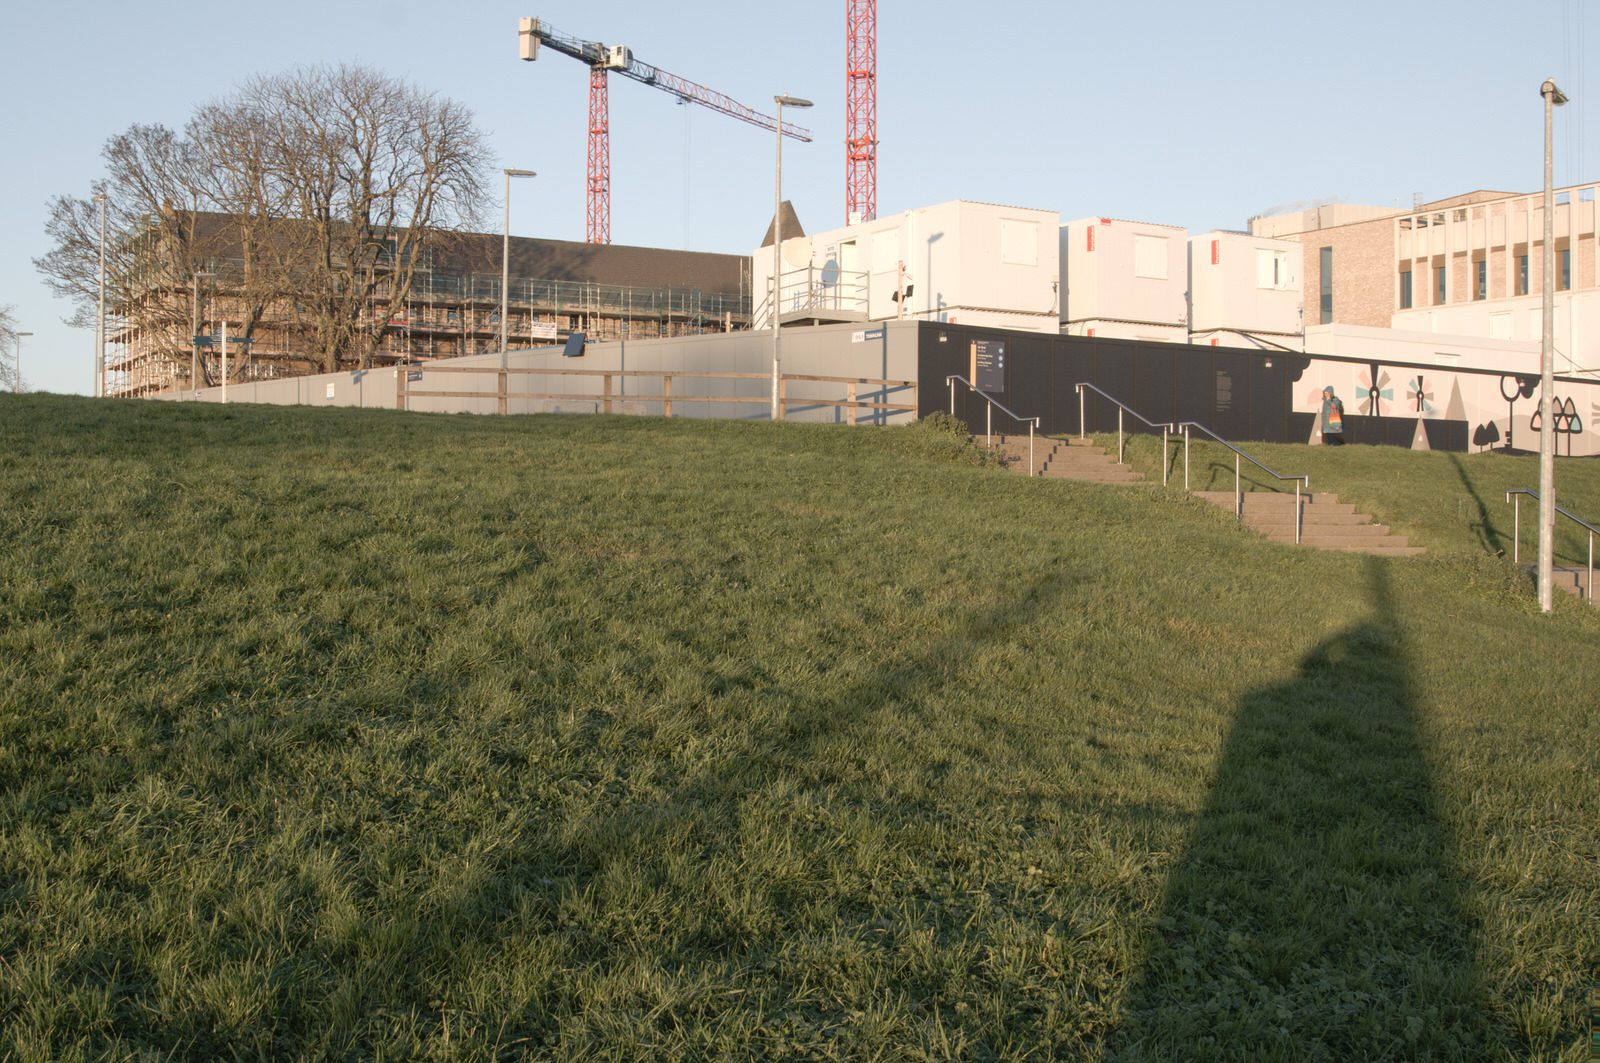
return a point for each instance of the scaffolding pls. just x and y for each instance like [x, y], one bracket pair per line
[445, 314]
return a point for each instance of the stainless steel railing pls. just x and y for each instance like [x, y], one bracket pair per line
[1122, 408]
[1238, 488]
[993, 404]
[1514, 497]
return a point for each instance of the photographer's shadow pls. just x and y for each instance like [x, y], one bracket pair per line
[1316, 912]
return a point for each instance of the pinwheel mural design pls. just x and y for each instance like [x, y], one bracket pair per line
[1416, 392]
[1374, 391]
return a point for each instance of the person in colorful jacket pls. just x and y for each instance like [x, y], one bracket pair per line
[1332, 418]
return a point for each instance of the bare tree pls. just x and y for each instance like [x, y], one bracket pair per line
[309, 196]
[371, 166]
[8, 347]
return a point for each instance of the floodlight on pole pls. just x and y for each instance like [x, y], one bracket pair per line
[777, 251]
[16, 383]
[505, 258]
[1553, 98]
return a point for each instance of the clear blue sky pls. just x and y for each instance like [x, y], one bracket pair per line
[1194, 114]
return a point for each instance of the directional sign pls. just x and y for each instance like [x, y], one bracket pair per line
[989, 365]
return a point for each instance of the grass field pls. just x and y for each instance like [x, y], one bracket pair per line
[343, 734]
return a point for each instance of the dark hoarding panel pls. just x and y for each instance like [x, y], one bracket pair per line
[1242, 394]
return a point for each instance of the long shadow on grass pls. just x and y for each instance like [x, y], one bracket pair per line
[1487, 534]
[1316, 912]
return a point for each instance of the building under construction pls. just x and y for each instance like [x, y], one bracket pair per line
[172, 324]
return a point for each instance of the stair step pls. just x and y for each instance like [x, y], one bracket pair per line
[1313, 538]
[1274, 498]
[1379, 550]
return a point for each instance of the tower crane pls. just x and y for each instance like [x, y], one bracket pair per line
[861, 111]
[601, 61]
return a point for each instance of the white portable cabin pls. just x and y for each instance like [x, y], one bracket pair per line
[1245, 291]
[1125, 280]
[962, 262]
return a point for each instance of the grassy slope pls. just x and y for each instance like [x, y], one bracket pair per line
[1452, 503]
[339, 733]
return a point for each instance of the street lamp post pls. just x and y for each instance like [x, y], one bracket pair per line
[16, 383]
[100, 328]
[194, 346]
[505, 259]
[777, 251]
[1553, 98]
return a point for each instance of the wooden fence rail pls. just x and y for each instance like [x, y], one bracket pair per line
[851, 403]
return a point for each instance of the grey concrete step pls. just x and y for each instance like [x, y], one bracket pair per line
[1317, 537]
[1326, 523]
[1572, 580]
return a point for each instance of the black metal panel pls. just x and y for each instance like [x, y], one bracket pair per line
[1230, 390]
[1447, 435]
[1242, 394]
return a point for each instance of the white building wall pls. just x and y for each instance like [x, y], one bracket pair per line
[1245, 290]
[963, 262]
[1386, 346]
[1519, 320]
[1124, 273]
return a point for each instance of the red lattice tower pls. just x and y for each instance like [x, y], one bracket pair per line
[861, 111]
[599, 224]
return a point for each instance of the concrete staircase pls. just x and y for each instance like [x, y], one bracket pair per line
[1571, 580]
[1328, 523]
[1061, 459]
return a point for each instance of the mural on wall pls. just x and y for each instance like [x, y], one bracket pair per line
[1440, 409]
[1374, 391]
[1564, 421]
[1418, 394]
[1513, 388]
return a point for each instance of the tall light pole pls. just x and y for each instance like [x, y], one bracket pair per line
[1547, 445]
[505, 260]
[100, 328]
[194, 347]
[777, 250]
[16, 384]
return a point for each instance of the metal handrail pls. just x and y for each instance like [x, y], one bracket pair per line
[988, 413]
[1122, 408]
[1238, 489]
[1513, 496]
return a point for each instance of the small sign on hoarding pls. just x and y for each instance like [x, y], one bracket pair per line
[988, 368]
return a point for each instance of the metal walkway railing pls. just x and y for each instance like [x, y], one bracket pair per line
[1238, 487]
[993, 404]
[1122, 408]
[1514, 497]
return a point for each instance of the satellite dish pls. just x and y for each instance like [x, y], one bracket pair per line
[797, 252]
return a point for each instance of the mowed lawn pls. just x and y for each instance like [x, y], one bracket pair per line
[343, 734]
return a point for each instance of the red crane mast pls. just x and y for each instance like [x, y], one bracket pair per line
[861, 111]
[602, 60]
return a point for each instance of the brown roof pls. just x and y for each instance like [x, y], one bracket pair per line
[563, 260]
[567, 260]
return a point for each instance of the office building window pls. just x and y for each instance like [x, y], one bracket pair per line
[1326, 317]
[1405, 289]
[1438, 286]
[1480, 287]
[1564, 276]
[1522, 274]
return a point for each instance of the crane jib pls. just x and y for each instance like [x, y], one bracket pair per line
[620, 59]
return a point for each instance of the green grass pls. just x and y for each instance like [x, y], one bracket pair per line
[1451, 503]
[358, 734]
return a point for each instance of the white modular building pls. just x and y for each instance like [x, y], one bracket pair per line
[1245, 291]
[959, 262]
[1124, 280]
